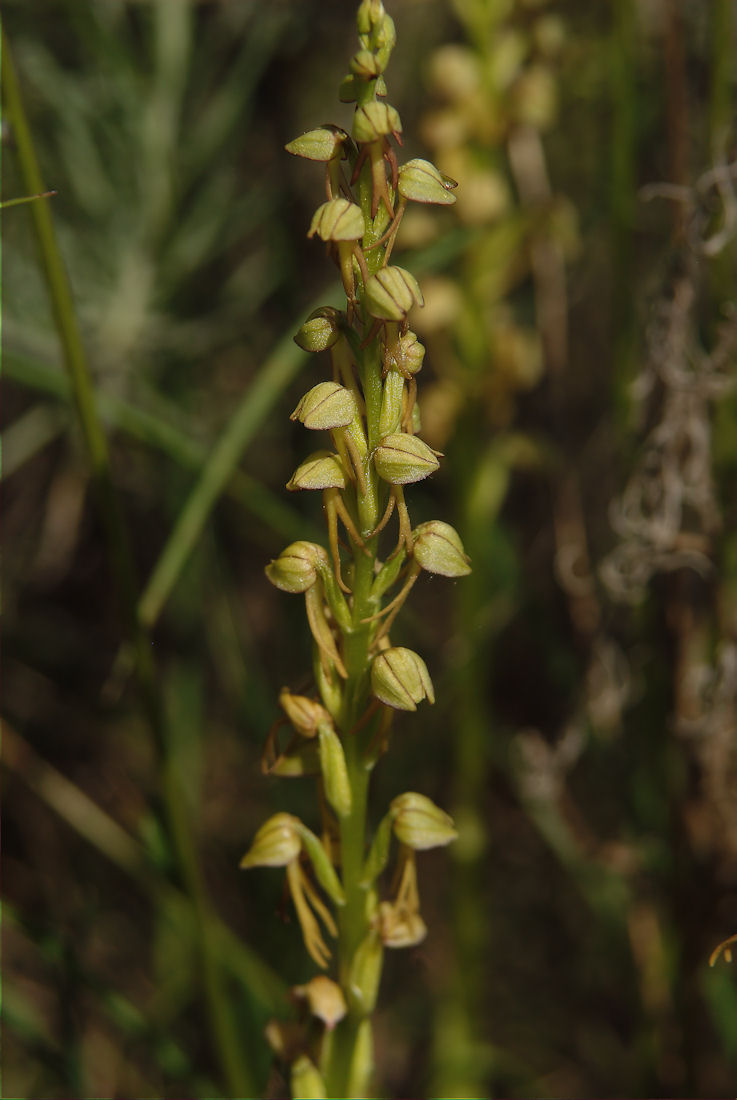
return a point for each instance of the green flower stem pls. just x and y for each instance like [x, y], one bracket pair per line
[352, 919]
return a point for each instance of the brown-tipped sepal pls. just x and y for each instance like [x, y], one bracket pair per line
[399, 678]
[420, 181]
[321, 144]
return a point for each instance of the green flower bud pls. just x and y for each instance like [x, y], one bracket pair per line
[320, 331]
[369, 13]
[391, 293]
[402, 459]
[438, 549]
[338, 220]
[375, 120]
[304, 713]
[276, 844]
[365, 974]
[421, 181]
[306, 1081]
[325, 999]
[399, 678]
[321, 144]
[322, 470]
[327, 405]
[365, 65]
[334, 770]
[419, 823]
[297, 568]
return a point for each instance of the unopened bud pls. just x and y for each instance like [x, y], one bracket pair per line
[399, 678]
[369, 13]
[365, 65]
[297, 568]
[402, 459]
[391, 293]
[322, 470]
[276, 844]
[327, 405]
[338, 220]
[304, 713]
[438, 549]
[321, 144]
[325, 999]
[421, 181]
[375, 120]
[419, 823]
[320, 331]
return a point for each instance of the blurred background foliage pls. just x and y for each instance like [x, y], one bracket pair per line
[580, 378]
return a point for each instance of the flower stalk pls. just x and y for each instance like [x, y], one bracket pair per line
[356, 586]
